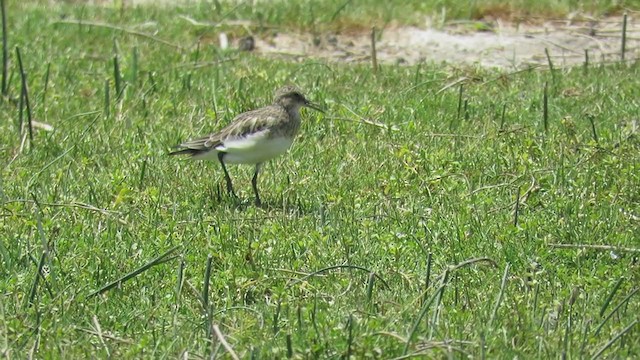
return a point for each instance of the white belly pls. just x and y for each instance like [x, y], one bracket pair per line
[254, 150]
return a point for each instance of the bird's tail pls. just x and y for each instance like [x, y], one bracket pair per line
[184, 151]
[194, 148]
[191, 153]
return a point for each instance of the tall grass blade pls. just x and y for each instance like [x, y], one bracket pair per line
[165, 257]
[421, 314]
[503, 286]
[179, 282]
[225, 344]
[550, 63]
[436, 308]
[614, 311]
[36, 280]
[289, 347]
[427, 277]
[276, 318]
[205, 287]
[593, 126]
[586, 61]
[545, 108]
[374, 55]
[614, 339]
[516, 210]
[607, 301]
[460, 100]
[25, 95]
[5, 50]
[370, 283]
[623, 48]
[349, 336]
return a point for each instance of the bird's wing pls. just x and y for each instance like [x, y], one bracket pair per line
[248, 124]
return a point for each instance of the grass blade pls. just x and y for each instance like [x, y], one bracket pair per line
[516, 210]
[143, 172]
[460, 92]
[98, 328]
[117, 76]
[624, 37]
[593, 127]
[20, 113]
[5, 50]
[289, 347]
[624, 301]
[607, 301]
[503, 286]
[205, 287]
[349, 336]
[180, 282]
[374, 55]
[36, 280]
[25, 95]
[586, 61]
[337, 267]
[225, 344]
[546, 52]
[614, 339]
[545, 108]
[157, 261]
[502, 117]
[299, 317]
[427, 277]
[276, 318]
[423, 312]
[436, 308]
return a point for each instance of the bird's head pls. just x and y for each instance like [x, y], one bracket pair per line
[291, 98]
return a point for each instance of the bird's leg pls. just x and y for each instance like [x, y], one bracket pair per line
[254, 184]
[226, 175]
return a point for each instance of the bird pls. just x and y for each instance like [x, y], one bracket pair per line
[252, 137]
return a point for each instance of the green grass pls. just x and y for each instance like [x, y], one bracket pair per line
[351, 15]
[100, 199]
[361, 14]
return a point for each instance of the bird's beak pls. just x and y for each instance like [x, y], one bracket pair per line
[313, 106]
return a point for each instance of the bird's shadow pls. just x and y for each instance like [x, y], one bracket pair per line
[291, 204]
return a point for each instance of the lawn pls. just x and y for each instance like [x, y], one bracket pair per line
[422, 215]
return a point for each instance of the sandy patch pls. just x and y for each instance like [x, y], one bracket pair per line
[503, 46]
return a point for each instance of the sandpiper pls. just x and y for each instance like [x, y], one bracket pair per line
[253, 137]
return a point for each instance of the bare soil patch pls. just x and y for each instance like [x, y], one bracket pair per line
[499, 44]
